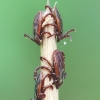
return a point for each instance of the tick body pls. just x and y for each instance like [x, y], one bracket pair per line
[58, 68]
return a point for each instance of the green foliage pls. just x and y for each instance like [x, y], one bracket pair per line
[20, 56]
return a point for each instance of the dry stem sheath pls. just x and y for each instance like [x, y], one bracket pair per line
[47, 48]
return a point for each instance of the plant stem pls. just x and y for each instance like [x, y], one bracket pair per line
[47, 48]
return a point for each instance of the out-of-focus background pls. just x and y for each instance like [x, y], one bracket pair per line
[20, 56]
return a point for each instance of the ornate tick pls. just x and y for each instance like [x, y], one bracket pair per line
[59, 27]
[58, 69]
[38, 30]
[40, 88]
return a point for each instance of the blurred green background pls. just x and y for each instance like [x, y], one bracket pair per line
[20, 56]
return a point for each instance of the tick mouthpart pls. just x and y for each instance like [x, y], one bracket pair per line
[47, 6]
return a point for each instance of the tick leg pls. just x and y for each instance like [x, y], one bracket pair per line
[50, 25]
[66, 35]
[64, 75]
[55, 34]
[48, 75]
[45, 33]
[63, 54]
[54, 76]
[35, 72]
[45, 87]
[28, 37]
[49, 8]
[37, 40]
[42, 58]
[58, 84]
[41, 95]
[49, 34]
[56, 81]
[52, 15]
[42, 81]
